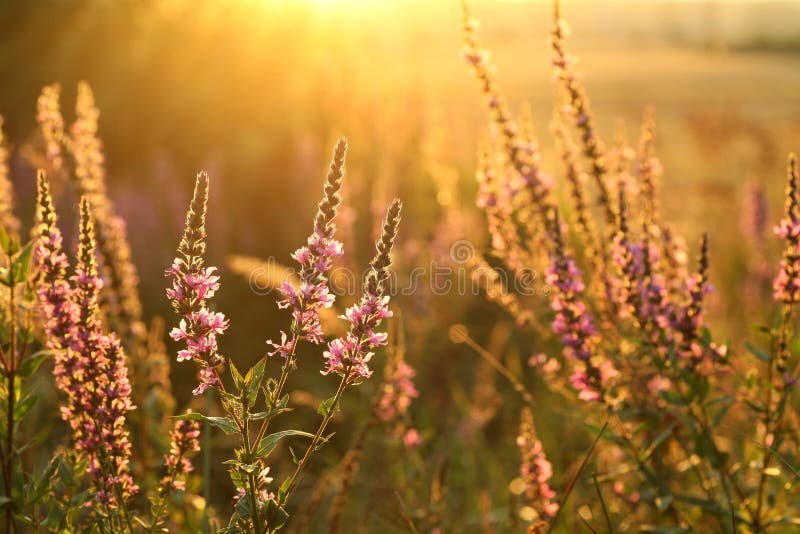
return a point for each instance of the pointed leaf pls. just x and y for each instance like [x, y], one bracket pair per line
[268, 443]
[226, 424]
[21, 264]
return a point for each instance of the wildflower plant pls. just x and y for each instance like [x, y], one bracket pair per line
[98, 483]
[253, 401]
[628, 317]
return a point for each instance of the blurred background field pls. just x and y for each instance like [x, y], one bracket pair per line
[256, 92]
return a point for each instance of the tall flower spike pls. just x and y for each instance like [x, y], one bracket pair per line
[348, 356]
[648, 167]
[379, 266]
[787, 283]
[90, 366]
[192, 284]
[61, 313]
[183, 445]
[315, 259]
[48, 115]
[688, 318]
[628, 259]
[7, 218]
[574, 324]
[89, 177]
[579, 109]
[536, 471]
[521, 150]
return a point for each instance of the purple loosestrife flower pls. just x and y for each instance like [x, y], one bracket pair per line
[183, 445]
[48, 115]
[398, 391]
[688, 319]
[90, 366]
[349, 355]
[192, 284]
[60, 311]
[579, 109]
[529, 187]
[574, 324]
[315, 259]
[627, 257]
[787, 283]
[654, 307]
[536, 471]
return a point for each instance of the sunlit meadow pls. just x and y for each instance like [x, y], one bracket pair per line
[399, 266]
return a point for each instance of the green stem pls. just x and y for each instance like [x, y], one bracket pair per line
[10, 378]
[315, 441]
[287, 365]
[207, 460]
[162, 499]
[251, 477]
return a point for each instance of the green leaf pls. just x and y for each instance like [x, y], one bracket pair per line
[226, 424]
[5, 240]
[327, 407]
[757, 352]
[672, 397]
[237, 377]
[283, 489]
[32, 362]
[269, 414]
[277, 515]
[40, 487]
[324, 440]
[21, 264]
[720, 414]
[24, 405]
[243, 508]
[253, 380]
[243, 467]
[659, 439]
[268, 443]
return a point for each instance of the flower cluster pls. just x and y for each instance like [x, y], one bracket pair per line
[90, 365]
[48, 115]
[183, 445]
[578, 107]
[574, 324]
[192, 284]
[7, 218]
[349, 355]
[398, 390]
[535, 470]
[527, 187]
[787, 283]
[687, 319]
[315, 259]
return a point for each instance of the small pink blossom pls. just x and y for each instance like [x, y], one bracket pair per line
[411, 438]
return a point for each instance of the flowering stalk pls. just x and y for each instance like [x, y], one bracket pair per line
[389, 405]
[786, 288]
[183, 445]
[7, 218]
[192, 284]
[574, 324]
[90, 365]
[349, 356]
[536, 472]
[648, 168]
[579, 107]
[313, 293]
[48, 115]
[687, 319]
[528, 185]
